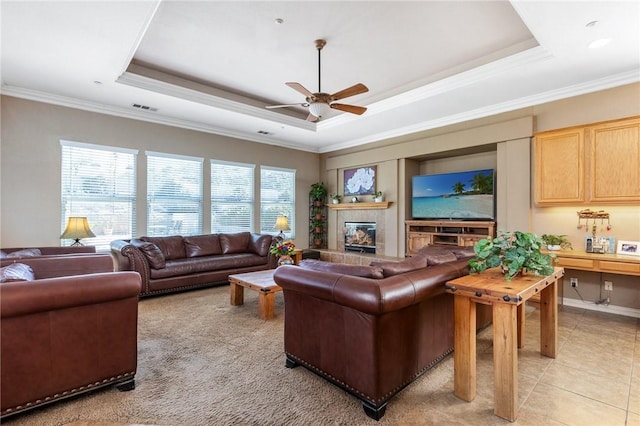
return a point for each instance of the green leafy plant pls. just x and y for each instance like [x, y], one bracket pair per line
[557, 240]
[513, 252]
[318, 191]
[336, 197]
[377, 194]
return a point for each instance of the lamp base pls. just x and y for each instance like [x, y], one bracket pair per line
[77, 243]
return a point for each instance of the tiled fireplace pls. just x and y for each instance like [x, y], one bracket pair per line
[372, 220]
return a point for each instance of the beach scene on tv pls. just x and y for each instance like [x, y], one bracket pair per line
[461, 195]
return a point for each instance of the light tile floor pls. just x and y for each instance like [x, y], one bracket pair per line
[594, 380]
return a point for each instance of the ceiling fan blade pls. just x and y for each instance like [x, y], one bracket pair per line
[300, 88]
[303, 104]
[312, 118]
[356, 89]
[353, 109]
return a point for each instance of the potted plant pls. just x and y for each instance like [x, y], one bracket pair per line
[335, 198]
[514, 252]
[317, 226]
[318, 193]
[377, 197]
[556, 242]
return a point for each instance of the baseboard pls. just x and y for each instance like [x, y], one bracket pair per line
[612, 309]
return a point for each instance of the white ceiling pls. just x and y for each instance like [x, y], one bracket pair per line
[214, 65]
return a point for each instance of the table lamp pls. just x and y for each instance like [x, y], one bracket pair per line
[77, 228]
[282, 224]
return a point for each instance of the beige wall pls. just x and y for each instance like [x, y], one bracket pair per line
[30, 164]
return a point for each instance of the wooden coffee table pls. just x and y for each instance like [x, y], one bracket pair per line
[260, 281]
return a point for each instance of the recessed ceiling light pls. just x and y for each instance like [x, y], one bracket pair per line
[599, 43]
[97, 82]
[591, 24]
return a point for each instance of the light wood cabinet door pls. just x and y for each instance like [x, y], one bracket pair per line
[559, 167]
[614, 150]
[417, 240]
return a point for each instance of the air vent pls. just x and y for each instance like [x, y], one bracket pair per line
[264, 132]
[144, 107]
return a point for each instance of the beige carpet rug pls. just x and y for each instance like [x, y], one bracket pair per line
[204, 362]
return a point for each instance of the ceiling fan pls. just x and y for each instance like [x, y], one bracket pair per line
[320, 103]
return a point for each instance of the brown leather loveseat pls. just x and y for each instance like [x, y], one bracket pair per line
[61, 336]
[177, 263]
[371, 330]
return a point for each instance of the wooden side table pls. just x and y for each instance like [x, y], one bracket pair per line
[508, 300]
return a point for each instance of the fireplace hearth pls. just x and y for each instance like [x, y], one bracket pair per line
[360, 237]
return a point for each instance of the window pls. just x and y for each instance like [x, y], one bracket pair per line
[174, 194]
[99, 182]
[231, 197]
[277, 197]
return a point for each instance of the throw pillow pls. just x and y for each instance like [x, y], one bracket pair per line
[16, 272]
[33, 252]
[202, 245]
[151, 252]
[342, 268]
[394, 268]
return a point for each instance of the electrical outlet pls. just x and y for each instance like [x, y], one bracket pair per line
[574, 282]
[608, 286]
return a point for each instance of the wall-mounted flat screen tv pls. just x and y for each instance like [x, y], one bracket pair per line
[466, 195]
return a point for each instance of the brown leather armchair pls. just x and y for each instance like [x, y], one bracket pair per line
[63, 336]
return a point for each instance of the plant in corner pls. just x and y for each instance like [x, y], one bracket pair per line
[556, 242]
[318, 192]
[377, 196]
[514, 252]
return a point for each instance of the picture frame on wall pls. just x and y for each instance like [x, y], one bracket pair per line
[630, 248]
[360, 181]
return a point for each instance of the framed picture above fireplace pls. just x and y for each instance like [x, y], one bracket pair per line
[360, 181]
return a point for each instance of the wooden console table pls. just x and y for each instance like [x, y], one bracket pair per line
[508, 300]
[596, 262]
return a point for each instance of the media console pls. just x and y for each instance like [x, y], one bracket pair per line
[422, 233]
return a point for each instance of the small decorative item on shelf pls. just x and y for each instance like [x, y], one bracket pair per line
[335, 198]
[355, 200]
[514, 252]
[284, 250]
[556, 242]
[377, 197]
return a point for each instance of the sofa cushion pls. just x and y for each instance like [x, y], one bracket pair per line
[394, 268]
[204, 264]
[463, 252]
[342, 268]
[260, 244]
[32, 252]
[202, 245]
[16, 272]
[171, 247]
[235, 243]
[151, 252]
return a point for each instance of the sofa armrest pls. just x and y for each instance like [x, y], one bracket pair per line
[372, 296]
[28, 297]
[63, 265]
[129, 258]
[55, 250]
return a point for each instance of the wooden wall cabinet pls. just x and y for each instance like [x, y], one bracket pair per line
[422, 233]
[595, 163]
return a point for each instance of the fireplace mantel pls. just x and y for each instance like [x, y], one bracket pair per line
[360, 206]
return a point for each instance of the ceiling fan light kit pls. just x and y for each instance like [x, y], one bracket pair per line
[320, 103]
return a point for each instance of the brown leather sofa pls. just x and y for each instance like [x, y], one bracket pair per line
[371, 336]
[48, 251]
[176, 263]
[61, 336]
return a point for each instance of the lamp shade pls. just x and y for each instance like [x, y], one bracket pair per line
[282, 224]
[319, 109]
[77, 228]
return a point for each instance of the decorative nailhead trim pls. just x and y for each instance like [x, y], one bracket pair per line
[368, 398]
[47, 399]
